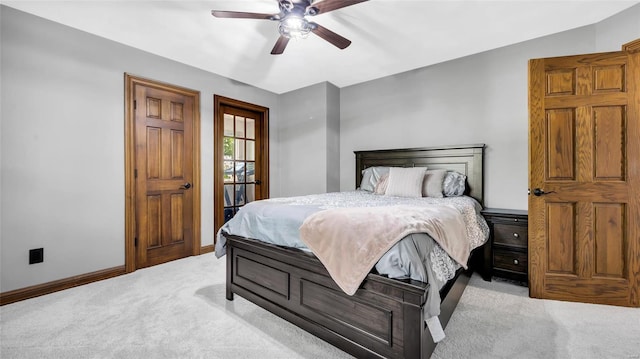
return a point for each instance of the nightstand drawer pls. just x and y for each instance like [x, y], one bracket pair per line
[510, 235]
[510, 260]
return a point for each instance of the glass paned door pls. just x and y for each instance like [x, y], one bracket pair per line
[239, 153]
[241, 166]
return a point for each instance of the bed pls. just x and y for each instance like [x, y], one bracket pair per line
[385, 317]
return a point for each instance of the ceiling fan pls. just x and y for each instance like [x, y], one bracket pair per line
[293, 23]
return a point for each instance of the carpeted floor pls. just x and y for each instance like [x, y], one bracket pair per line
[179, 310]
[498, 320]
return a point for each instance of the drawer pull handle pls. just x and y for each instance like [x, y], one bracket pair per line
[516, 235]
[516, 262]
[515, 220]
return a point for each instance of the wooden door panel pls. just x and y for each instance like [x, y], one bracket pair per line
[176, 160]
[560, 82]
[609, 78]
[560, 152]
[177, 111]
[154, 220]
[176, 217]
[154, 152]
[154, 107]
[562, 237]
[584, 146]
[610, 142]
[610, 240]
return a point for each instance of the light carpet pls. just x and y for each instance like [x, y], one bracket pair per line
[179, 310]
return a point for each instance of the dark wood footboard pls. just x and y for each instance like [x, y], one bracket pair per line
[383, 319]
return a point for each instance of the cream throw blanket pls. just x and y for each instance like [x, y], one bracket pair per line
[350, 241]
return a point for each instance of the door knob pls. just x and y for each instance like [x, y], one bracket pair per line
[187, 185]
[539, 192]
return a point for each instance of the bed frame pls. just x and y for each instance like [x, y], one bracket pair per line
[384, 318]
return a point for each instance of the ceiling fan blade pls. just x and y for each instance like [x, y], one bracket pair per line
[337, 40]
[278, 48]
[242, 15]
[325, 6]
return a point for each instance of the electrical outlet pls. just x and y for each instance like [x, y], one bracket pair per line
[36, 255]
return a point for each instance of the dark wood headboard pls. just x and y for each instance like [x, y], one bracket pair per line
[466, 159]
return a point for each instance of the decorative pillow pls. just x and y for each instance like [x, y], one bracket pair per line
[432, 186]
[371, 176]
[405, 182]
[382, 185]
[454, 184]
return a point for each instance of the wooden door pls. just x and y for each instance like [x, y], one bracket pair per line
[242, 156]
[165, 162]
[584, 173]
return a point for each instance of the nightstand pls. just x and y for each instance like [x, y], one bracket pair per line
[509, 242]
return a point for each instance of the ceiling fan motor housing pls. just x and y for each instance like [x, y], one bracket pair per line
[299, 8]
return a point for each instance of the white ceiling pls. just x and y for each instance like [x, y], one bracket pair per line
[389, 36]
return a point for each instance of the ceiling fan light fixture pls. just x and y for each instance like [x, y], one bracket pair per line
[294, 27]
[292, 22]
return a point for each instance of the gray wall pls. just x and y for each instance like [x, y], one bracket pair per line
[617, 30]
[476, 99]
[333, 138]
[62, 145]
[308, 135]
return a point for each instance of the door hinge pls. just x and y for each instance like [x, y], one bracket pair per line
[135, 173]
[135, 241]
[135, 104]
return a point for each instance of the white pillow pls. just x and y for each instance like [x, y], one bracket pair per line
[405, 182]
[432, 186]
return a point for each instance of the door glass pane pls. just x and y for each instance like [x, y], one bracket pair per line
[251, 192]
[251, 171]
[240, 171]
[251, 128]
[228, 195]
[251, 150]
[228, 171]
[239, 149]
[228, 148]
[228, 124]
[240, 195]
[239, 126]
